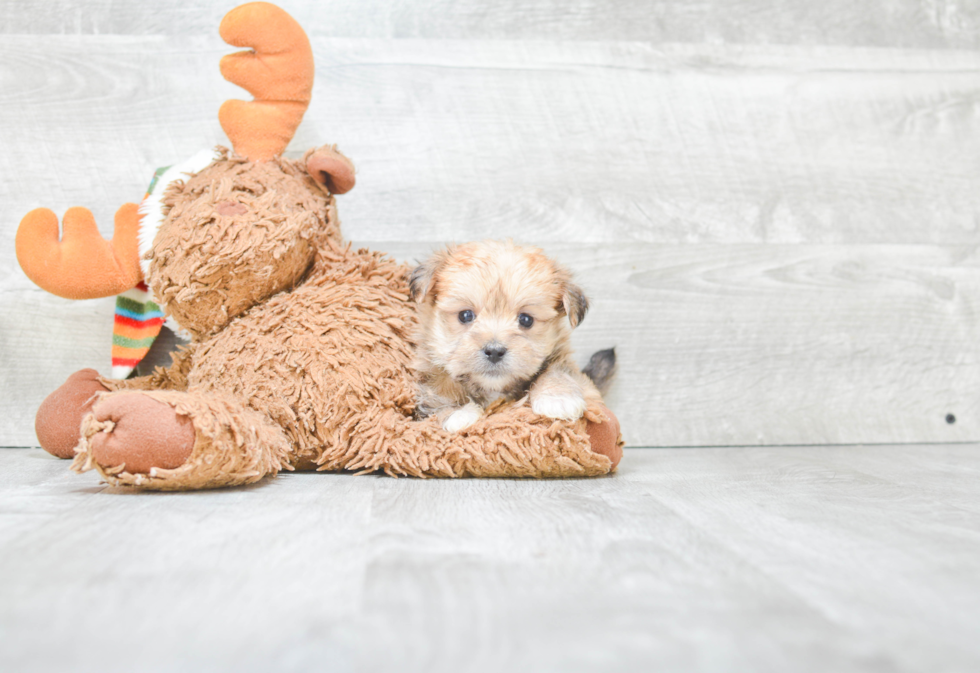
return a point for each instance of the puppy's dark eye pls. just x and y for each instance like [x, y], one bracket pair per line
[525, 320]
[466, 316]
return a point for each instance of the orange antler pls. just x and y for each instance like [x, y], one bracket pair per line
[83, 265]
[278, 72]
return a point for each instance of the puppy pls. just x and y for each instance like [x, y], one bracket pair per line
[494, 323]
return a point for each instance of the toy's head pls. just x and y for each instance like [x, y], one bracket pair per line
[234, 234]
[221, 233]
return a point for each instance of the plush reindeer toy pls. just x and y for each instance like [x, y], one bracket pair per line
[300, 347]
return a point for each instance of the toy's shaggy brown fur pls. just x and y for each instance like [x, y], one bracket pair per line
[321, 376]
[300, 355]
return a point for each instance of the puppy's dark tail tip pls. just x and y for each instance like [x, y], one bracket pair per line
[602, 369]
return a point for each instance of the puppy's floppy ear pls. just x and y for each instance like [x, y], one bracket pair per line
[421, 282]
[575, 303]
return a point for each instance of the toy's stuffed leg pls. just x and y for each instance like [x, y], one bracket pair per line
[604, 436]
[59, 418]
[173, 440]
[58, 421]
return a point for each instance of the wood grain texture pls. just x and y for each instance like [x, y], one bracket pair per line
[548, 141]
[880, 23]
[717, 345]
[803, 559]
[759, 192]
[44, 339]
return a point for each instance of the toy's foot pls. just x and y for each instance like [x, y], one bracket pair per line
[142, 433]
[59, 418]
[605, 437]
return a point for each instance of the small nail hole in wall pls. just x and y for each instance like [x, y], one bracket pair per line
[950, 418]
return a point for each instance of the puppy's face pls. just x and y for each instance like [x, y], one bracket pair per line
[493, 312]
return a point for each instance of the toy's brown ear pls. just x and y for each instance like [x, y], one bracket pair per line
[422, 283]
[331, 169]
[575, 303]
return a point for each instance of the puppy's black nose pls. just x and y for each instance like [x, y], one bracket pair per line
[494, 352]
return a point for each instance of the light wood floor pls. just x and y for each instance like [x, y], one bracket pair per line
[752, 559]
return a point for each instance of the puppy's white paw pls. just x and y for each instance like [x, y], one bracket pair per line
[462, 418]
[565, 407]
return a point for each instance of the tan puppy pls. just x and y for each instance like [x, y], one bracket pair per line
[494, 322]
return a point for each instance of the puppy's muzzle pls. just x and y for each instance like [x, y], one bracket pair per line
[495, 352]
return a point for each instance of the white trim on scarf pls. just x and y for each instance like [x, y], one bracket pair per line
[152, 218]
[152, 206]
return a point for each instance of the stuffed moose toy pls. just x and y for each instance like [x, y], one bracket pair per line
[300, 347]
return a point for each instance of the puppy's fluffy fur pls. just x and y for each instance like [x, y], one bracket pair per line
[494, 322]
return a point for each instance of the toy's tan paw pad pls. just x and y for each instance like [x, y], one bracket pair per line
[59, 418]
[140, 433]
[604, 437]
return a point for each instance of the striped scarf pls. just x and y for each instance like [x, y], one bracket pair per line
[137, 321]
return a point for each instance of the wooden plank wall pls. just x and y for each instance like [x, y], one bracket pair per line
[775, 208]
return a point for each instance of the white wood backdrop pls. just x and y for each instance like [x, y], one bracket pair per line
[776, 209]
